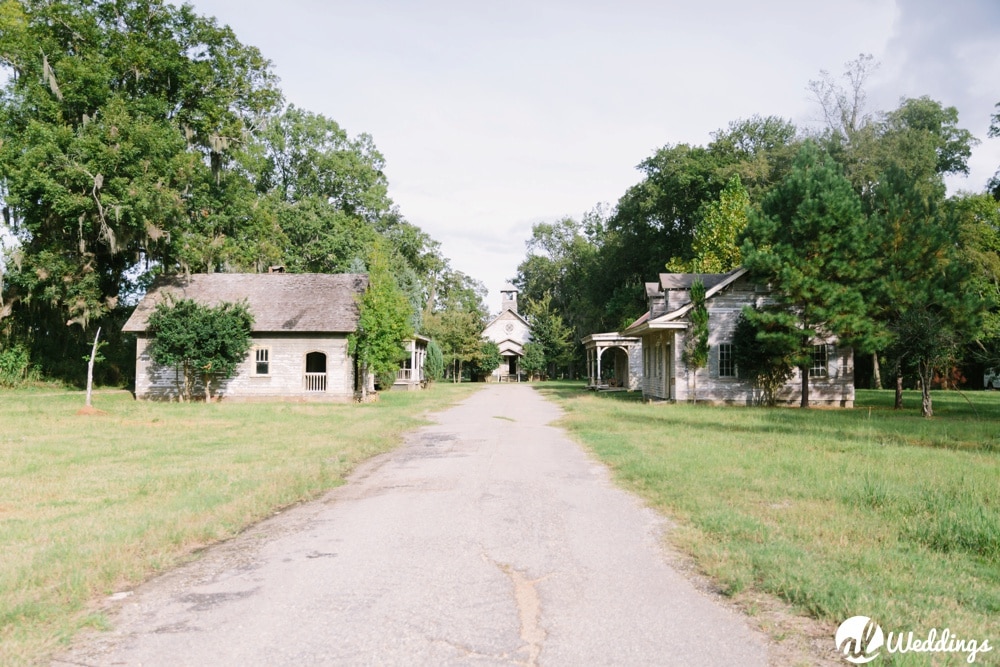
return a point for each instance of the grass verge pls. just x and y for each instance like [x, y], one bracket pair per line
[838, 512]
[93, 504]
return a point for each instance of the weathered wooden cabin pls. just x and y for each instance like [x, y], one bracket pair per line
[664, 327]
[300, 330]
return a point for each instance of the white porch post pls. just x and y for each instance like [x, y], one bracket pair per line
[600, 352]
[590, 367]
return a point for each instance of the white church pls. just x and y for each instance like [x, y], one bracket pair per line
[510, 331]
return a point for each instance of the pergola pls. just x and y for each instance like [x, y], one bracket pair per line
[598, 344]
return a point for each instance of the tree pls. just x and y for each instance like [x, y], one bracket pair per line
[926, 339]
[434, 362]
[199, 341]
[655, 219]
[487, 360]
[533, 361]
[306, 155]
[383, 322]
[550, 332]
[695, 352]
[843, 106]
[759, 150]
[458, 332]
[764, 353]
[319, 238]
[810, 243]
[716, 235]
[117, 116]
[922, 276]
[978, 220]
[562, 262]
[454, 317]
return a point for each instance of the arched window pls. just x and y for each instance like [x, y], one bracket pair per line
[315, 371]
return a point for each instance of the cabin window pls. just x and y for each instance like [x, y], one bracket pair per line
[262, 361]
[820, 359]
[727, 367]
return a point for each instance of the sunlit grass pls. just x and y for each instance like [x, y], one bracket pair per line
[839, 512]
[93, 504]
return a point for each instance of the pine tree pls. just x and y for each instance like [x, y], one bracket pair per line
[810, 243]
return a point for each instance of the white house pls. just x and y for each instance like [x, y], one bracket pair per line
[511, 332]
[300, 330]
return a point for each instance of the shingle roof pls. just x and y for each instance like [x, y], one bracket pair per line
[684, 280]
[279, 302]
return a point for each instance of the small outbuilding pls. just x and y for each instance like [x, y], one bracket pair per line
[299, 337]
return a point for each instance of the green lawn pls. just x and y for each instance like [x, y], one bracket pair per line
[839, 512]
[93, 504]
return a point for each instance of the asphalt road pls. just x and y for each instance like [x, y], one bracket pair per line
[489, 538]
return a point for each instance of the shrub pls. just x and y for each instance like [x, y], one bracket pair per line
[434, 363]
[15, 366]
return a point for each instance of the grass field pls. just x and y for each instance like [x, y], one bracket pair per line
[93, 504]
[839, 512]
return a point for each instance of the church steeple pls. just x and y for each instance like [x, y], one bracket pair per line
[508, 298]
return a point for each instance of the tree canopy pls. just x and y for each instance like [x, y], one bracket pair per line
[138, 138]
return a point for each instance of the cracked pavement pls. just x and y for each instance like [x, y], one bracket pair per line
[488, 538]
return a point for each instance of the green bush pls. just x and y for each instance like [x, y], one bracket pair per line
[15, 366]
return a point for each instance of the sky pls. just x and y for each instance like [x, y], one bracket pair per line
[494, 116]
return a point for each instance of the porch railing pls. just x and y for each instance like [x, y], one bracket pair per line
[315, 381]
[407, 374]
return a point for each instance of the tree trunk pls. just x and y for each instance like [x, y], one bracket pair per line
[926, 376]
[90, 367]
[898, 405]
[876, 371]
[804, 402]
[694, 386]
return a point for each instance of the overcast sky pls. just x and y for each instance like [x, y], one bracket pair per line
[495, 115]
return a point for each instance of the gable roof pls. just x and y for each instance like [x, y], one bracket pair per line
[279, 302]
[671, 281]
[714, 283]
[496, 319]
